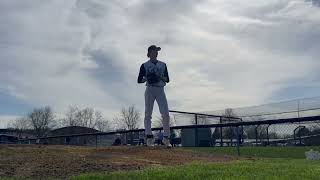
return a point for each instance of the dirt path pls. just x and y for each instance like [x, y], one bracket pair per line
[36, 162]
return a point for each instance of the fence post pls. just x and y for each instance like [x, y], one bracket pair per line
[300, 140]
[242, 132]
[257, 135]
[221, 139]
[238, 141]
[268, 141]
[299, 137]
[196, 131]
[294, 134]
[96, 141]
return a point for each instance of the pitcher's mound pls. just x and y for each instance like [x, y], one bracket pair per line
[35, 161]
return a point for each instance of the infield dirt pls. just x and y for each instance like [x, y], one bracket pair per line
[41, 162]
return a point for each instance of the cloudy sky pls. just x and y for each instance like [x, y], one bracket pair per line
[220, 54]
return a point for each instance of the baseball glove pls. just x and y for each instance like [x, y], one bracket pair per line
[153, 78]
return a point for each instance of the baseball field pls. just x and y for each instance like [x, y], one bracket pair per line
[138, 162]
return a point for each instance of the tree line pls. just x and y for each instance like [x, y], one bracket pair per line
[43, 119]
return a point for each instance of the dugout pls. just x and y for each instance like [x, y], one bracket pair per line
[196, 137]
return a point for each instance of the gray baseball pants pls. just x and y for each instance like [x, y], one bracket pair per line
[151, 94]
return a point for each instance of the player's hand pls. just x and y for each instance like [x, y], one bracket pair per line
[153, 78]
[144, 79]
[163, 78]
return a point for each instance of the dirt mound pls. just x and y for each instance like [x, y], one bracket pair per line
[36, 162]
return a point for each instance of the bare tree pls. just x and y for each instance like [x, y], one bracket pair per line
[259, 132]
[20, 125]
[158, 122]
[229, 115]
[201, 119]
[229, 132]
[41, 120]
[315, 129]
[128, 118]
[71, 117]
[87, 117]
[101, 124]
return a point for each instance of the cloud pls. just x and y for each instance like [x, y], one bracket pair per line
[252, 56]
[5, 120]
[219, 53]
[314, 2]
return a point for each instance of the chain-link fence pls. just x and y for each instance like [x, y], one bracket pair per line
[225, 131]
[291, 123]
[207, 130]
[286, 109]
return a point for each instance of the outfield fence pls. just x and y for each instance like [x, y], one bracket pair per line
[303, 131]
[292, 123]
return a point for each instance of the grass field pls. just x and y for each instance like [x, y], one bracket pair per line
[268, 163]
[257, 169]
[267, 152]
[255, 163]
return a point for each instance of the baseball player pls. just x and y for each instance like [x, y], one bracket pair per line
[155, 74]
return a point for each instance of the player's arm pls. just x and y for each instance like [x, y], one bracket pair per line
[165, 78]
[142, 75]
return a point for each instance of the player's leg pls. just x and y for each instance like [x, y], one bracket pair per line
[164, 111]
[149, 102]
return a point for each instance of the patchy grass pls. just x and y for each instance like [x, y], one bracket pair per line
[267, 152]
[289, 169]
[156, 163]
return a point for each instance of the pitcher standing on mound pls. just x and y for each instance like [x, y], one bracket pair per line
[155, 74]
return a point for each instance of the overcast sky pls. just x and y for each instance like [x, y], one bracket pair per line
[220, 54]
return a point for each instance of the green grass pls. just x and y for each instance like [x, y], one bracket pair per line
[267, 152]
[23, 178]
[243, 169]
[270, 163]
[286, 163]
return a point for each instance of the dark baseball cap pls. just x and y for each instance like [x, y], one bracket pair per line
[154, 47]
